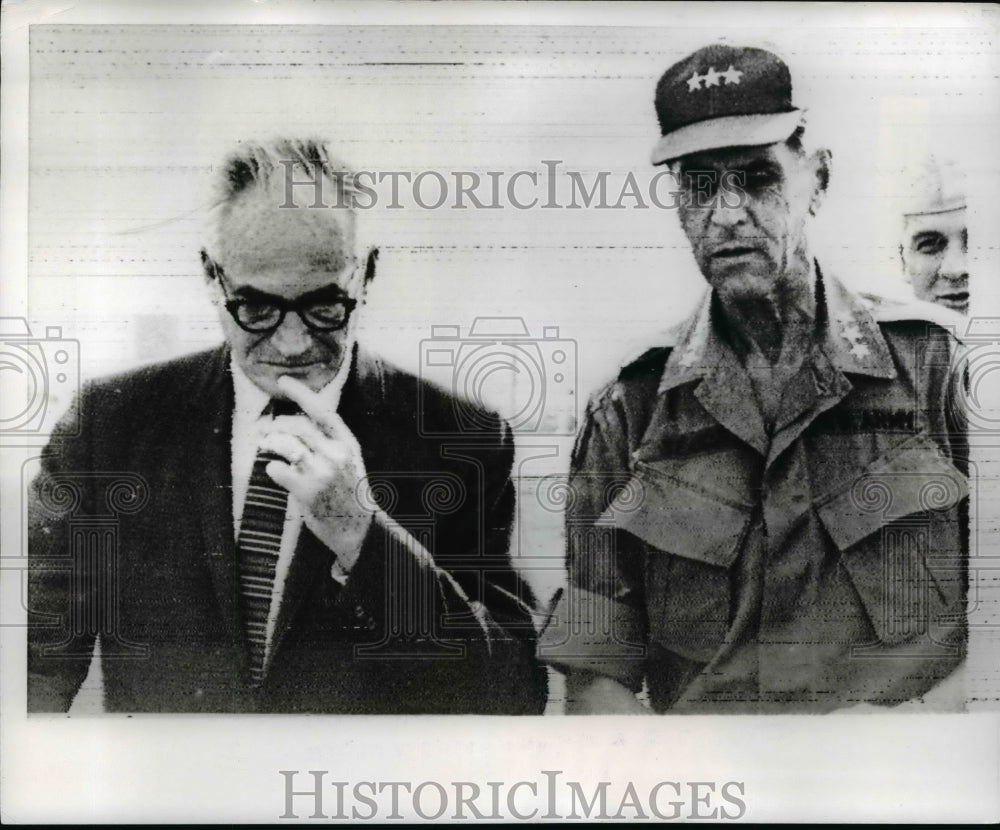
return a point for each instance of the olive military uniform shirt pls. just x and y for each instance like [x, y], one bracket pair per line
[730, 567]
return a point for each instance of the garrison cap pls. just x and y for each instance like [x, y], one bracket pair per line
[724, 96]
[935, 186]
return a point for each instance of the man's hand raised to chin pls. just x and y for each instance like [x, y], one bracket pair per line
[323, 471]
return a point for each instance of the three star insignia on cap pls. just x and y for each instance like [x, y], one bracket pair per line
[852, 334]
[711, 78]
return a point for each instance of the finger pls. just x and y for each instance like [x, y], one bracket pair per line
[329, 421]
[284, 444]
[284, 475]
[337, 442]
[303, 479]
[340, 430]
[302, 485]
[305, 431]
[312, 404]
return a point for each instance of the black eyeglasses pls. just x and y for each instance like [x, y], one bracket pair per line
[265, 316]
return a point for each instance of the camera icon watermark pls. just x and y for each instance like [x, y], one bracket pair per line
[915, 588]
[499, 366]
[975, 376]
[40, 377]
[73, 533]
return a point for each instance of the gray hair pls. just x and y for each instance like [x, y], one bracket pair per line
[271, 164]
[258, 164]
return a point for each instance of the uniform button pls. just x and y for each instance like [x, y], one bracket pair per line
[199, 693]
[359, 612]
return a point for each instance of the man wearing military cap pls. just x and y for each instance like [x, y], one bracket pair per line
[769, 505]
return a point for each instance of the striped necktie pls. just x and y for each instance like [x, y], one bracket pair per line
[258, 545]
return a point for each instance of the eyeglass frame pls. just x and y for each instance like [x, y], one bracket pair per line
[233, 304]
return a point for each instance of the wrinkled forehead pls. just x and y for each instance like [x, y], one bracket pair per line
[948, 223]
[259, 226]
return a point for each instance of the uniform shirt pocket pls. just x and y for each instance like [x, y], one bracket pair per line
[692, 537]
[896, 524]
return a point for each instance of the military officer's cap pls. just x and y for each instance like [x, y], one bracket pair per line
[724, 96]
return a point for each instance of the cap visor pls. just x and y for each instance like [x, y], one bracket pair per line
[933, 210]
[731, 131]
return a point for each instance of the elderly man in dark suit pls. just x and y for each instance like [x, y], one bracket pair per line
[292, 537]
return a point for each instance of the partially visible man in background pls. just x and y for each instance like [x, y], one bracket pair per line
[290, 540]
[935, 239]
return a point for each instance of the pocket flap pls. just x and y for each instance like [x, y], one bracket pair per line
[914, 478]
[678, 517]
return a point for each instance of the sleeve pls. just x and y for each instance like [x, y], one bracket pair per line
[458, 598]
[956, 399]
[950, 395]
[599, 624]
[62, 600]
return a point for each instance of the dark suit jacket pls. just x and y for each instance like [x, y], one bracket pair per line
[131, 538]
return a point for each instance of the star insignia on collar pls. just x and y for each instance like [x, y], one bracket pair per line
[859, 350]
[732, 75]
[696, 343]
[712, 77]
[850, 331]
[687, 359]
[694, 82]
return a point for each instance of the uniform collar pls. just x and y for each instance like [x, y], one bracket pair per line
[851, 338]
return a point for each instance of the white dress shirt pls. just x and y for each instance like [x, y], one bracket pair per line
[249, 425]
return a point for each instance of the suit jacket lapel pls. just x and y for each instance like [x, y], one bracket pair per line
[210, 466]
[362, 403]
[310, 564]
